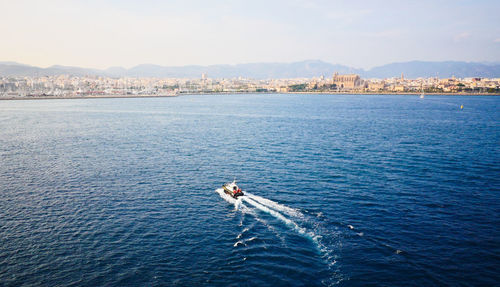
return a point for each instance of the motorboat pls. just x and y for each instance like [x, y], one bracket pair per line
[232, 189]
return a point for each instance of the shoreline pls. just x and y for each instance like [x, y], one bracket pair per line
[242, 93]
[86, 97]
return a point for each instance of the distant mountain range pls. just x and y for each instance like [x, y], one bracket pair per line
[303, 69]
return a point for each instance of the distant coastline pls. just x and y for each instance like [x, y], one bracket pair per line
[67, 86]
[240, 93]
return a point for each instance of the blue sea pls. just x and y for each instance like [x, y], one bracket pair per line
[341, 190]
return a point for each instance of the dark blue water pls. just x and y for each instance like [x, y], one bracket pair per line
[343, 190]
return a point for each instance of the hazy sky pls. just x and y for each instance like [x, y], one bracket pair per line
[362, 34]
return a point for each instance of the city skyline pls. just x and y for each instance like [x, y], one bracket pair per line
[66, 86]
[103, 34]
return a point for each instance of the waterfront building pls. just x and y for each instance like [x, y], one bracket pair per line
[375, 86]
[347, 82]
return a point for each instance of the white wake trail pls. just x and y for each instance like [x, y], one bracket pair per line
[239, 205]
[274, 205]
[273, 208]
[285, 220]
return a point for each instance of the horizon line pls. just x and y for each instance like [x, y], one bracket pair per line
[10, 62]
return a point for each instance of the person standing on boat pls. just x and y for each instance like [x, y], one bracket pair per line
[236, 191]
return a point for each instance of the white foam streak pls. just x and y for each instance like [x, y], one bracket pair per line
[280, 216]
[238, 205]
[273, 208]
[241, 234]
[272, 204]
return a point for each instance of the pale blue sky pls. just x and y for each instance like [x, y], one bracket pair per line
[362, 34]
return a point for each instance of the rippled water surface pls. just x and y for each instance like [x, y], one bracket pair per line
[341, 190]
